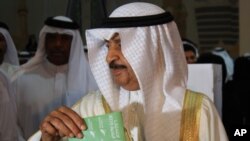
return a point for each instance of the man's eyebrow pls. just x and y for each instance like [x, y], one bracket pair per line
[116, 40]
[115, 35]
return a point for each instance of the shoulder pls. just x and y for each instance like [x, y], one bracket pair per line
[90, 105]
[9, 69]
[93, 96]
[208, 108]
[22, 72]
[7, 65]
[30, 73]
[195, 94]
[211, 127]
[207, 105]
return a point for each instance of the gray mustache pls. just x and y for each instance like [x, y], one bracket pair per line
[113, 65]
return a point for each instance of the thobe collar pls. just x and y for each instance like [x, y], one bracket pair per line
[136, 96]
[55, 68]
[132, 96]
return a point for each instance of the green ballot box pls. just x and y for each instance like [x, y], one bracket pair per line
[108, 127]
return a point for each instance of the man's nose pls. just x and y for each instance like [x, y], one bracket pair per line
[111, 56]
[58, 41]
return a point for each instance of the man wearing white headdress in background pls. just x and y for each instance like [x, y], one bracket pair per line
[190, 50]
[229, 62]
[57, 75]
[138, 62]
[9, 62]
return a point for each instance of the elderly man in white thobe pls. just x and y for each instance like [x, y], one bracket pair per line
[138, 61]
[9, 62]
[57, 75]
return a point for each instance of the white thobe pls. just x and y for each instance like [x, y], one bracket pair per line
[39, 92]
[8, 124]
[211, 127]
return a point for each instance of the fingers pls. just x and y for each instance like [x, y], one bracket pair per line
[60, 125]
[48, 137]
[74, 116]
[63, 122]
[47, 128]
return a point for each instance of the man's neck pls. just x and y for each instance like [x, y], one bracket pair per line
[55, 68]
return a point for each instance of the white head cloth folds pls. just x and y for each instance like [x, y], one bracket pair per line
[190, 44]
[10, 56]
[80, 78]
[228, 61]
[156, 55]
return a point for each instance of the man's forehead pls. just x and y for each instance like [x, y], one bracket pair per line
[56, 33]
[61, 35]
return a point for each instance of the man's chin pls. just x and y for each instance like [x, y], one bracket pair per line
[58, 62]
[119, 82]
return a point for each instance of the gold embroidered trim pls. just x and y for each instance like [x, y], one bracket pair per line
[107, 109]
[191, 112]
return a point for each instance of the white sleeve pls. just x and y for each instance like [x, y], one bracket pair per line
[36, 137]
[90, 105]
[211, 126]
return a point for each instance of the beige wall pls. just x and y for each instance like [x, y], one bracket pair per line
[30, 20]
[244, 46]
[191, 25]
[38, 10]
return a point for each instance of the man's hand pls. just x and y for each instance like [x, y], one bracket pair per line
[62, 122]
